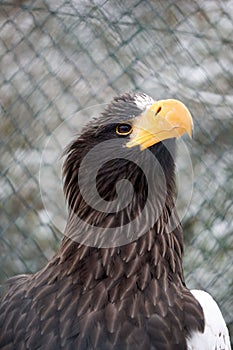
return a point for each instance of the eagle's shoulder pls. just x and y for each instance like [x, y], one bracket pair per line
[215, 335]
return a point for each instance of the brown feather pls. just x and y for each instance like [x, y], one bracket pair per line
[128, 297]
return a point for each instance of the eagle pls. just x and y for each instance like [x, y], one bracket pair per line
[117, 280]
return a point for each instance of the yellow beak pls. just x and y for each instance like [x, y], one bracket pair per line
[162, 120]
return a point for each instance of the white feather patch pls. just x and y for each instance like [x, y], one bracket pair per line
[216, 335]
[143, 101]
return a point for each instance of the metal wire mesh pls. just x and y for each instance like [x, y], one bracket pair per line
[59, 57]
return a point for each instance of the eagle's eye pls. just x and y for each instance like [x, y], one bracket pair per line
[124, 129]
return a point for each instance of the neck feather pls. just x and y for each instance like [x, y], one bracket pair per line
[153, 248]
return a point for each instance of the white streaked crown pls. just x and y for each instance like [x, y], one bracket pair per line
[143, 101]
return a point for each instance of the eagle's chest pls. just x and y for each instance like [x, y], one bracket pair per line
[60, 313]
[113, 317]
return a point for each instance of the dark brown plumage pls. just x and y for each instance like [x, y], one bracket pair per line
[125, 297]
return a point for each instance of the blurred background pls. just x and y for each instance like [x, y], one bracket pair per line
[59, 57]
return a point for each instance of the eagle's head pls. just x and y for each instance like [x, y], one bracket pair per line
[119, 174]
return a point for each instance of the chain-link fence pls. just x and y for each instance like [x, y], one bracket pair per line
[59, 57]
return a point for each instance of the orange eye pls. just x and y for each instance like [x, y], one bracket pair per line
[124, 129]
